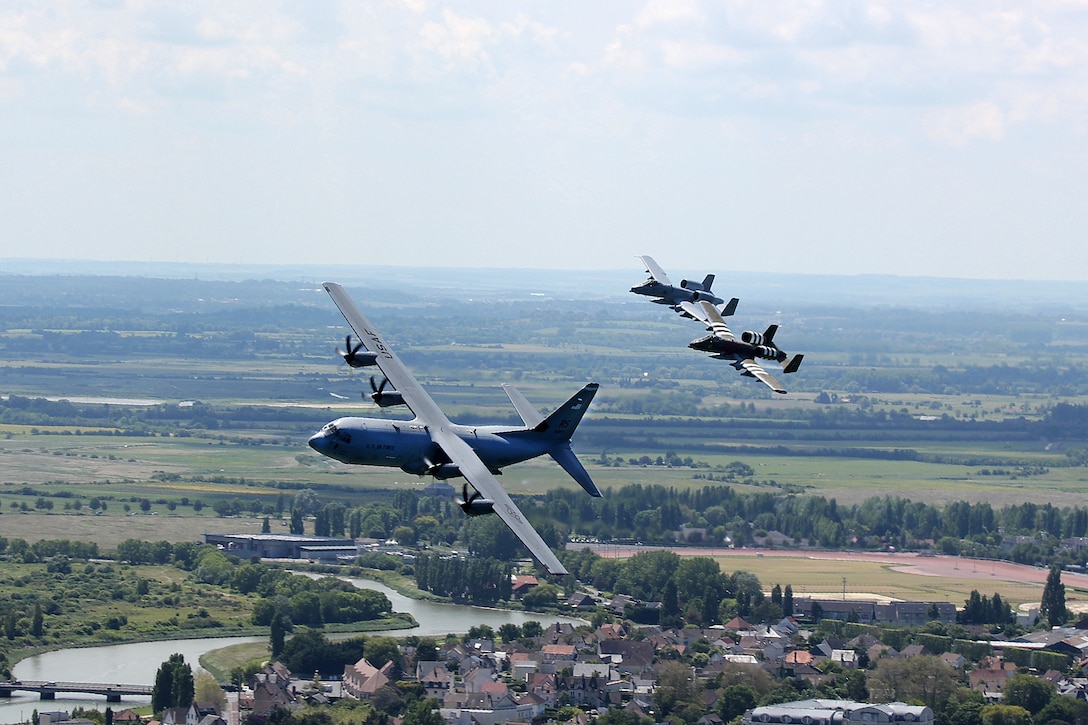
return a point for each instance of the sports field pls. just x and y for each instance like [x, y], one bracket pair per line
[883, 576]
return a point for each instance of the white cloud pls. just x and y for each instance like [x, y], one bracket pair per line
[961, 126]
[627, 122]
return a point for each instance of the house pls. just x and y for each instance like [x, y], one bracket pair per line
[485, 709]
[990, 675]
[558, 652]
[612, 630]
[627, 656]
[202, 713]
[581, 601]
[362, 679]
[269, 693]
[954, 660]
[620, 603]
[521, 583]
[434, 677]
[524, 664]
[545, 687]
[475, 678]
[736, 624]
[914, 650]
[175, 716]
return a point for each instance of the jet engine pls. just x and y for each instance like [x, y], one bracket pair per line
[752, 338]
[770, 353]
[476, 504]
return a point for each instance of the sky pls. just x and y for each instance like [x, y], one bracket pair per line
[841, 137]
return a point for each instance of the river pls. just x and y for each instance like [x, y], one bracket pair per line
[136, 664]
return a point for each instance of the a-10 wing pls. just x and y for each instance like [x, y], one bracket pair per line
[655, 270]
[441, 430]
[709, 314]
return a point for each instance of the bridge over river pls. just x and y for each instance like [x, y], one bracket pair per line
[49, 690]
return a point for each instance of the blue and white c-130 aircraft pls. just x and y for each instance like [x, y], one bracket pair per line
[430, 444]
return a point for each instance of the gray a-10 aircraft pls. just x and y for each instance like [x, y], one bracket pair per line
[752, 346]
[660, 286]
[430, 444]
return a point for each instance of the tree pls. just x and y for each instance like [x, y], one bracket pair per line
[1027, 691]
[379, 650]
[423, 712]
[542, 595]
[36, 625]
[207, 689]
[174, 686]
[1005, 715]
[964, 707]
[1052, 606]
[675, 687]
[924, 678]
[734, 700]
[1062, 708]
[787, 601]
[278, 633]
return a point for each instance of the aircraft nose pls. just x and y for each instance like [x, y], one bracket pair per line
[319, 442]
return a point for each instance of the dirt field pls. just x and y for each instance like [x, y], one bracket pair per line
[108, 531]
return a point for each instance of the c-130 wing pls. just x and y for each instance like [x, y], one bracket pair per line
[441, 430]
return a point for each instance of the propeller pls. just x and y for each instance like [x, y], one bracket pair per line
[349, 354]
[382, 398]
[476, 504]
[353, 357]
[465, 498]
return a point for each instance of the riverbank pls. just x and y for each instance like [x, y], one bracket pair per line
[398, 622]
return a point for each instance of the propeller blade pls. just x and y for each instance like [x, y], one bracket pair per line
[349, 353]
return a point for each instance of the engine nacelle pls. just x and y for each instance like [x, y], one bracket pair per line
[445, 470]
[478, 507]
[688, 284]
[752, 338]
[770, 353]
[360, 359]
[384, 399]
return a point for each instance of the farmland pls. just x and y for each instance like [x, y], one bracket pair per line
[181, 394]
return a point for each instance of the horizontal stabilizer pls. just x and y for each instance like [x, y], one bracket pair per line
[794, 363]
[730, 307]
[565, 457]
